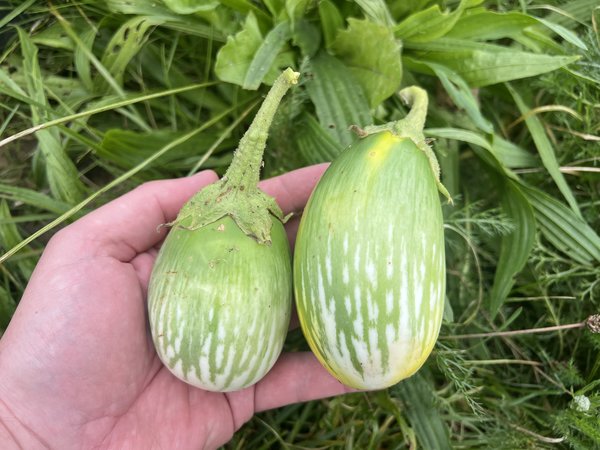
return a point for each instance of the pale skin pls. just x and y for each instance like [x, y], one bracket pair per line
[77, 364]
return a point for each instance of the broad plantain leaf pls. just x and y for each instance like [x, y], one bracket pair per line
[481, 64]
[373, 55]
[484, 25]
[338, 97]
[431, 23]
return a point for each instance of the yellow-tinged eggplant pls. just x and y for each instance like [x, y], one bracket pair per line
[369, 268]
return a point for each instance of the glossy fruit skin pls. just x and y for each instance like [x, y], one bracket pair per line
[369, 266]
[219, 304]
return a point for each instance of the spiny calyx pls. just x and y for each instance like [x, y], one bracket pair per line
[250, 208]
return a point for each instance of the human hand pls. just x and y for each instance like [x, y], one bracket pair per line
[77, 364]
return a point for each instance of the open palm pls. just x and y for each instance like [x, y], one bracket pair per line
[77, 364]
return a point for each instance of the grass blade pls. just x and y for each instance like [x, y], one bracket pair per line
[9, 237]
[564, 33]
[489, 156]
[266, 55]
[564, 229]
[515, 247]
[462, 95]
[512, 155]
[123, 46]
[75, 209]
[7, 308]
[100, 109]
[32, 198]
[331, 21]
[61, 173]
[15, 12]
[545, 149]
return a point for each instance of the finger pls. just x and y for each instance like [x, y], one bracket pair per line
[128, 225]
[293, 189]
[296, 377]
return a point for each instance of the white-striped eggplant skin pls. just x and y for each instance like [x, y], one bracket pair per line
[219, 304]
[369, 265]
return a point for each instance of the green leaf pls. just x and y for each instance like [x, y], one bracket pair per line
[373, 55]
[124, 45]
[61, 173]
[462, 95]
[15, 12]
[448, 155]
[545, 149]
[296, 10]
[307, 37]
[331, 21]
[417, 396]
[313, 142]
[515, 247]
[247, 59]
[484, 25]
[481, 64]
[9, 237]
[377, 11]
[82, 62]
[511, 155]
[431, 23]
[127, 149]
[156, 10]
[190, 6]
[563, 32]
[567, 231]
[32, 198]
[266, 55]
[470, 137]
[54, 37]
[578, 11]
[7, 308]
[338, 97]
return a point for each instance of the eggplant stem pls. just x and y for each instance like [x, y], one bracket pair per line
[246, 164]
[237, 194]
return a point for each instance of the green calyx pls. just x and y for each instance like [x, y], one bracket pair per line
[237, 193]
[411, 127]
